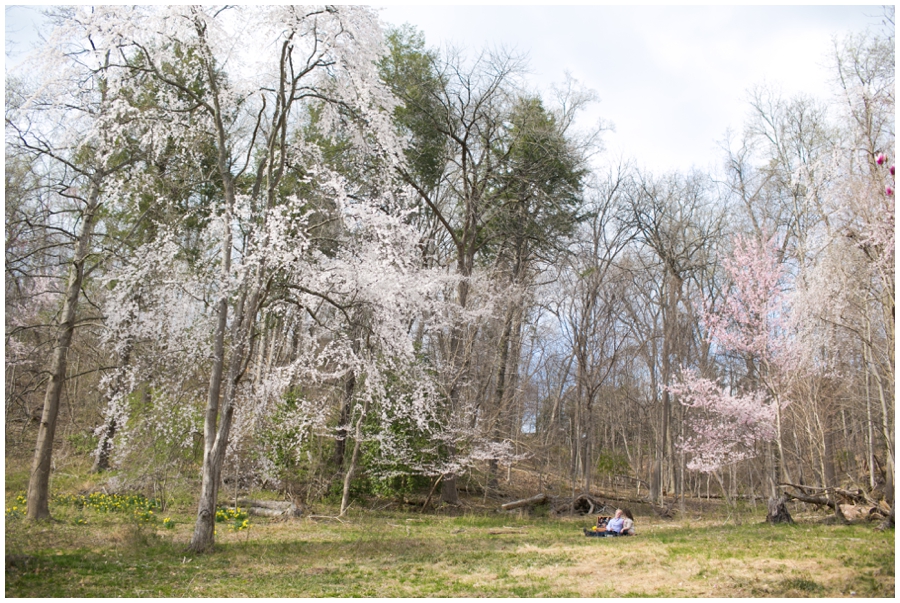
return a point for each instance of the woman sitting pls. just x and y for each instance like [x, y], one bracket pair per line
[628, 523]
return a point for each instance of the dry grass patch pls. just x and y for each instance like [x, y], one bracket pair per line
[753, 560]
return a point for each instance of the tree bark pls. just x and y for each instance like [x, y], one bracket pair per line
[38, 494]
[348, 477]
[215, 448]
[500, 394]
[449, 491]
[888, 523]
[104, 448]
[828, 460]
[778, 512]
[340, 442]
[204, 530]
[458, 353]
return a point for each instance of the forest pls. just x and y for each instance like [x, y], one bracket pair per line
[289, 249]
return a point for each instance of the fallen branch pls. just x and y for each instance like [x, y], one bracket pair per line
[317, 517]
[431, 492]
[859, 497]
[636, 479]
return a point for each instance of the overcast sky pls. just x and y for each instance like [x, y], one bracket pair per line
[672, 79]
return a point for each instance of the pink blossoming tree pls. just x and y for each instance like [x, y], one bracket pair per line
[750, 322]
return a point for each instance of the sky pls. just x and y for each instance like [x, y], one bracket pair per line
[673, 80]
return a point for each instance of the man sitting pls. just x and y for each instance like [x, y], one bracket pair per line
[614, 527]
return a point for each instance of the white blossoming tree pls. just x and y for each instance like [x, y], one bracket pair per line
[236, 114]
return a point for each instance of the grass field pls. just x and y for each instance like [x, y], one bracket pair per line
[94, 551]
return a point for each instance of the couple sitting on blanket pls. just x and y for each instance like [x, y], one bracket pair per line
[620, 525]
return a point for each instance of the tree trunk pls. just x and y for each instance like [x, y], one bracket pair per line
[104, 447]
[828, 462]
[449, 492]
[38, 495]
[778, 512]
[888, 523]
[656, 459]
[340, 442]
[534, 500]
[203, 537]
[348, 477]
[870, 425]
[500, 395]
[213, 447]
[670, 318]
[459, 359]
[214, 456]
[887, 430]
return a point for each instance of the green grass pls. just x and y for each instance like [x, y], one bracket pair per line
[86, 552]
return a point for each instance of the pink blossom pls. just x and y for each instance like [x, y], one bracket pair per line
[724, 428]
[889, 191]
[880, 159]
[752, 317]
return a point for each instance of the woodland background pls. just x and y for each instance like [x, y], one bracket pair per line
[286, 249]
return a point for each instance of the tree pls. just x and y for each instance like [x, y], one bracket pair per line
[590, 309]
[674, 220]
[248, 110]
[500, 176]
[751, 322]
[77, 129]
[865, 74]
[726, 427]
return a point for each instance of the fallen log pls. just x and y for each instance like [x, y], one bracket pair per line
[841, 496]
[534, 500]
[271, 508]
[266, 504]
[265, 512]
[857, 512]
[857, 498]
[813, 500]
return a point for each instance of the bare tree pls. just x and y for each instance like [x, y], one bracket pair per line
[676, 220]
